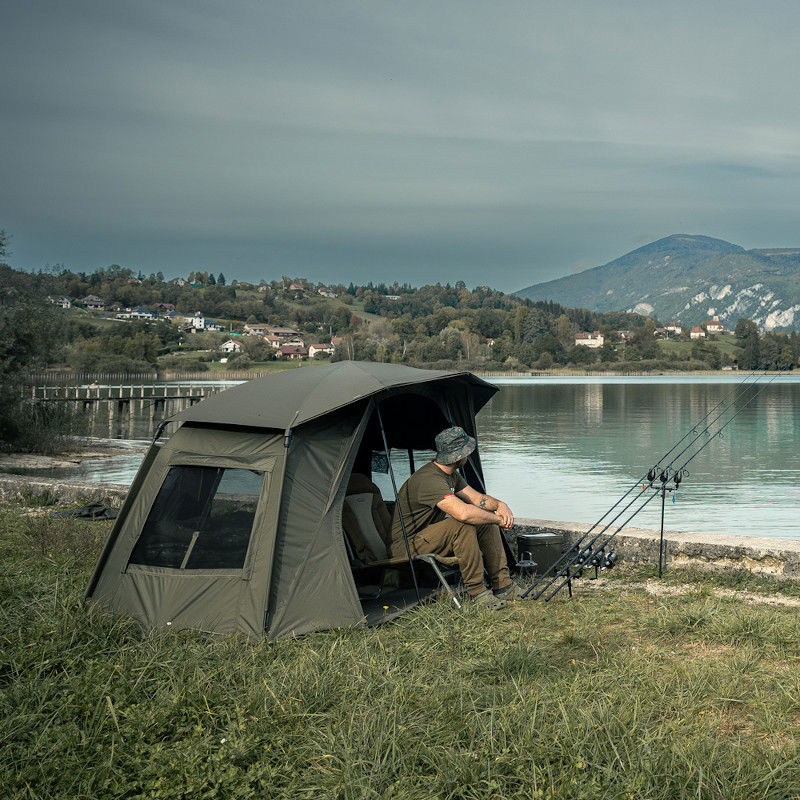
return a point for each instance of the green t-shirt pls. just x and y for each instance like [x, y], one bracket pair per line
[418, 497]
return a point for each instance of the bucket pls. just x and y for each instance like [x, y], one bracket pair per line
[544, 548]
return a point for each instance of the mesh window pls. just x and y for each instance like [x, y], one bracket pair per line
[201, 519]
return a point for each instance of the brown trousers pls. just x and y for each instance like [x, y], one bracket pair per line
[473, 545]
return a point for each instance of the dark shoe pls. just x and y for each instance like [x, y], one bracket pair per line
[510, 593]
[487, 599]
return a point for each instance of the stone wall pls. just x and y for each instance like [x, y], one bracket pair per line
[48, 490]
[765, 556]
[778, 557]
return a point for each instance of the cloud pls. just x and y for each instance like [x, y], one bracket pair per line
[520, 139]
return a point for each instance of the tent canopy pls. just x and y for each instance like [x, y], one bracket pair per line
[295, 396]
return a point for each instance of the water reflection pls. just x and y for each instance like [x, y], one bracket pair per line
[567, 451]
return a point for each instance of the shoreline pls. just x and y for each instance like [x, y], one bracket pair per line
[771, 556]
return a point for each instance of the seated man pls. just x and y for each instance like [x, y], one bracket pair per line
[443, 515]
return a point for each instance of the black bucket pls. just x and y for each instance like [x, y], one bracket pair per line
[544, 548]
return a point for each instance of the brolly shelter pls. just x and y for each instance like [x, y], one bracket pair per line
[235, 522]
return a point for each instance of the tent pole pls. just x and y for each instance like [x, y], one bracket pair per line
[397, 501]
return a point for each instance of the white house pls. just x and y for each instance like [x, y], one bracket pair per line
[178, 282]
[61, 301]
[212, 325]
[325, 292]
[255, 329]
[713, 326]
[327, 348]
[594, 339]
[697, 333]
[675, 328]
[231, 346]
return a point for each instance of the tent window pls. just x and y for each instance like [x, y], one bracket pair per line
[201, 519]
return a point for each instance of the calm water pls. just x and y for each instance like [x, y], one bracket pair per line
[566, 449]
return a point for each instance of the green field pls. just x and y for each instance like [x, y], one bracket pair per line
[618, 693]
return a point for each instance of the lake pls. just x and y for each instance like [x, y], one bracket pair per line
[567, 448]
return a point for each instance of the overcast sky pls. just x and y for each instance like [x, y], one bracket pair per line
[501, 143]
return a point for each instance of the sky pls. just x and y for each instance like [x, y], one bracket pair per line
[500, 143]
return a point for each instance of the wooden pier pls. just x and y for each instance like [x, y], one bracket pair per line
[123, 404]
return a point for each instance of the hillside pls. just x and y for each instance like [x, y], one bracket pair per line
[687, 279]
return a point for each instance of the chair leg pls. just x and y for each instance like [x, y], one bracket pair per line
[432, 563]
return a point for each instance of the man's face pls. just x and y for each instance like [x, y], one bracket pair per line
[461, 461]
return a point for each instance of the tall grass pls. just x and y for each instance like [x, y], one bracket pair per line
[615, 694]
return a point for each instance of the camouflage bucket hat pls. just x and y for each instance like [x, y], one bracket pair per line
[453, 444]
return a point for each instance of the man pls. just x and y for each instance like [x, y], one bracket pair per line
[442, 514]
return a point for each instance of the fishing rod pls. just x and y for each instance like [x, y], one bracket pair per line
[584, 554]
[587, 556]
[649, 476]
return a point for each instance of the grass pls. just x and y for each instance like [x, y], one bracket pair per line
[616, 694]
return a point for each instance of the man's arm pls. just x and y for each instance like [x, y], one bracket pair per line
[466, 512]
[487, 502]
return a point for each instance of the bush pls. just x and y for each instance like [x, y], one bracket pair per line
[30, 427]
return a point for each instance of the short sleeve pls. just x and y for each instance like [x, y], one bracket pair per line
[459, 481]
[433, 489]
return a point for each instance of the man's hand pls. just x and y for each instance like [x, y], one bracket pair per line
[506, 517]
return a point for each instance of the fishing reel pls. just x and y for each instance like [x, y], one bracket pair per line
[609, 561]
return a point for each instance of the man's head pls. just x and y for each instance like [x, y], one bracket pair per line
[453, 445]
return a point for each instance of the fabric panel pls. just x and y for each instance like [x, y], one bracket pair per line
[312, 586]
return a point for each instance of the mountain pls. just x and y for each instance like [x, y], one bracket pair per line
[688, 279]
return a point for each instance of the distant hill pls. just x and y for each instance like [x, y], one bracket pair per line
[687, 279]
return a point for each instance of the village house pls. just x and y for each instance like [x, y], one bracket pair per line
[674, 328]
[142, 313]
[262, 287]
[273, 341]
[489, 341]
[392, 296]
[697, 333]
[282, 333]
[198, 322]
[255, 329]
[174, 316]
[326, 292]
[61, 301]
[327, 349]
[594, 339]
[713, 326]
[625, 336]
[93, 302]
[293, 352]
[134, 282]
[178, 282]
[231, 346]
[164, 307]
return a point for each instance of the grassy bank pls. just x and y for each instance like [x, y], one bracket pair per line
[616, 694]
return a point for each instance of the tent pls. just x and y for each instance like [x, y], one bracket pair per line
[234, 524]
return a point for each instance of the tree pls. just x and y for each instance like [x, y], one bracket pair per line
[608, 352]
[564, 330]
[746, 332]
[4, 237]
[212, 281]
[221, 279]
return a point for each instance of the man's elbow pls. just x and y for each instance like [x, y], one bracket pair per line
[460, 513]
